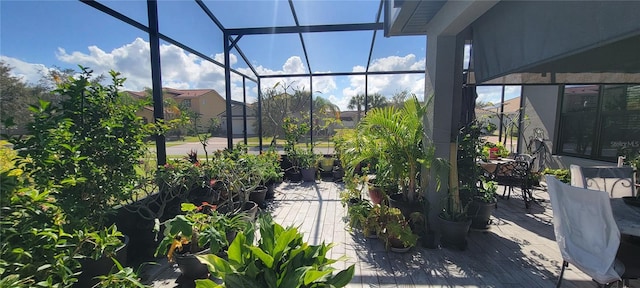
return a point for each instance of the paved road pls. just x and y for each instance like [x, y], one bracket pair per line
[219, 143]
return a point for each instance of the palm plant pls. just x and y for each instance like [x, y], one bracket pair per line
[399, 138]
[375, 100]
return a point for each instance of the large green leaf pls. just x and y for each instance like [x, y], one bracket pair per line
[267, 233]
[283, 241]
[264, 257]
[343, 277]
[179, 225]
[216, 265]
[293, 279]
[241, 281]
[270, 278]
[206, 283]
[235, 250]
[315, 275]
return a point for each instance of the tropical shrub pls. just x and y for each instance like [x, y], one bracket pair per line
[89, 144]
[280, 259]
[36, 250]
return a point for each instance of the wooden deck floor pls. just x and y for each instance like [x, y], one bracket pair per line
[518, 251]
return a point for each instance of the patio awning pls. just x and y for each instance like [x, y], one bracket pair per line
[520, 42]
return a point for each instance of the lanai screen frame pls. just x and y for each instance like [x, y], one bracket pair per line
[231, 36]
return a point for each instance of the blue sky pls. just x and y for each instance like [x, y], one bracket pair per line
[41, 35]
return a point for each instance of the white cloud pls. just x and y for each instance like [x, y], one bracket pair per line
[30, 73]
[389, 84]
[180, 69]
[493, 93]
[184, 70]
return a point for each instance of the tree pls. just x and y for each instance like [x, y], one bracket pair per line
[15, 98]
[325, 114]
[398, 99]
[279, 102]
[375, 100]
[284, 100]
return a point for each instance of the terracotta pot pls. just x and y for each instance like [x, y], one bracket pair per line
[395, 245]
[375, 194]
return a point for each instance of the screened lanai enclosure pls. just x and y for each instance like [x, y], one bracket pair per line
[230, 43]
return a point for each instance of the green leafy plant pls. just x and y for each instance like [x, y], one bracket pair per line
[392, 228]
[487, 193]
[269, 162]
[124, 277]
[501, 152]
[201, 227]
[358, 213]
[280, 259]
[36, 248]
[563, 175]
[394, 137]
[89, 144]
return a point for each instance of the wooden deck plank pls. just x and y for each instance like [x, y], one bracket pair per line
[519, 250]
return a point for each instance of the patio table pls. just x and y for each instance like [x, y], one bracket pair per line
[627, 217]
[491, 164]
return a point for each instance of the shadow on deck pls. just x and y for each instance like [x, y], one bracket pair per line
[518, 251]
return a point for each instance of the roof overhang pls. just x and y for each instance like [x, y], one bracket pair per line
[409, 17]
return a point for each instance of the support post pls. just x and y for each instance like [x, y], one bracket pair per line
[156, 79]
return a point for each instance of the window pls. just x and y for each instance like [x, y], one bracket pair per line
[600, 121]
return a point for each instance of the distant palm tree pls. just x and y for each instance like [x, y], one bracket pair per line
[325, 112]
[375, 100]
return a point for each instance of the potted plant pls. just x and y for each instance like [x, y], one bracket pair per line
[307, 161]
[373, 224]
[453, 219]
[271, 169]
[241, 174]
[395, 138]
[36, 246]
[480, 198]
[482, 206]
[358, 213]
[89, 144]
[353, 185]
[201, 228]
[396, 232]
[279, 259]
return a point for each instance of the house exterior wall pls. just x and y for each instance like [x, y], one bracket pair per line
[209, 105]
[146, 114]
[238, 126]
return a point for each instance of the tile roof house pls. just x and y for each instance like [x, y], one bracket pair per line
[206, 102]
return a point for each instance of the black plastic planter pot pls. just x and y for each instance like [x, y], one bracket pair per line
[258, 195]
[480, 214]
[308, 174]
[251, 209]
[92, 268]
[191, 268]
[453, 234]
[406, 207]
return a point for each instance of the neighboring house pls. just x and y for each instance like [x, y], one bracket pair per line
[208, 103]
[237, 119]
[349, 119]
[491, 113]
